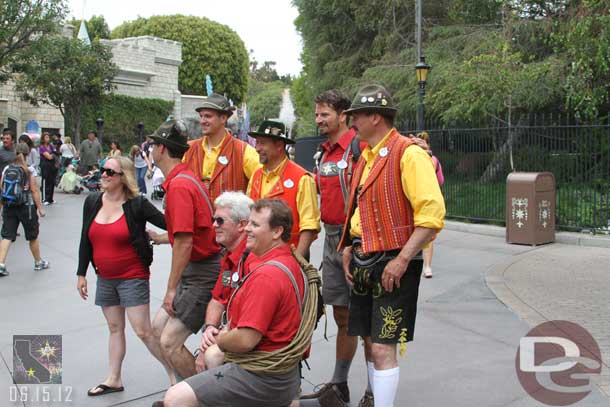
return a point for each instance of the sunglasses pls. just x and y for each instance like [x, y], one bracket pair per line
[219, 221]
[109, 172]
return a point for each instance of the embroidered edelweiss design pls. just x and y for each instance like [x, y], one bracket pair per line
[391, 319]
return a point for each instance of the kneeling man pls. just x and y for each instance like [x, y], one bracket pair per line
[263, 315]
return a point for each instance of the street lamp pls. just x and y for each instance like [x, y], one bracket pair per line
[421, 69]
[100, 129]
[140, 127]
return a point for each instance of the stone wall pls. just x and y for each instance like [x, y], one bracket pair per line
[148, 68]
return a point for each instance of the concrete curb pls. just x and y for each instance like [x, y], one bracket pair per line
[571, 238]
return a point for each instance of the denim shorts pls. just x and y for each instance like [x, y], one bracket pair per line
[124, 292]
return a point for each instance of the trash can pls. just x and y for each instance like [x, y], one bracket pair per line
[530, 208]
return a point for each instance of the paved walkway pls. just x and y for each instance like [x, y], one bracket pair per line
[465, 340]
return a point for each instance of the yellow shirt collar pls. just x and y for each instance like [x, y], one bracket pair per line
[213, 150]
[276, 171]
[369, 153]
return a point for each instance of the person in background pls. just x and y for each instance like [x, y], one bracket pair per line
[115, 242]
[7, 153]
[68, 152]
[33, 158]
[90, 152]
[48, 170]
[441, 180]
[141, 164]
[26, 213]
[115, 149]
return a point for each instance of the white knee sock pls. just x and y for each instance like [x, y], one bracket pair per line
[370, 368]
[385, 384]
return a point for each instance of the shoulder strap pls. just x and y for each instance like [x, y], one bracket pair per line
[342, 180]
[286, 271]
[205, 195]
[355, 147]
[293, 281]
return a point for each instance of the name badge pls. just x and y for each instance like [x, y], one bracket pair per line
[223, 160]
[289, 183]
[383, 152]
[342, 164]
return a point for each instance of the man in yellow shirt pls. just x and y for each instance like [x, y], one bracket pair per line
[284, 179]
[223, 162]
[395, 209]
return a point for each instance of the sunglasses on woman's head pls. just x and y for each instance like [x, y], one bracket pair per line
[110, 172]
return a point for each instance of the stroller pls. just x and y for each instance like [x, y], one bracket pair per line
[92, 181]
[157, 180]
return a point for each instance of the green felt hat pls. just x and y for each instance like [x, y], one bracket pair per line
[373, 98]
[173, 134]
[215, 102]
[272, 129]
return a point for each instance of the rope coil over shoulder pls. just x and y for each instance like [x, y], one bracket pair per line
[285, 359]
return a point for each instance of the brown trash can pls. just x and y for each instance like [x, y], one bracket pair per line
[530, 208]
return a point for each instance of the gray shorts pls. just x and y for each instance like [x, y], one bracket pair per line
[195, 292]
[335, 290]
[124, 292]
[230, 385]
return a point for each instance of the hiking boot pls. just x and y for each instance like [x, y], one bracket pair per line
[367, 400]
[3, 272]
[330, 395]
[40, 265]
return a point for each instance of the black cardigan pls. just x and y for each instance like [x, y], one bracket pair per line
[138, 211]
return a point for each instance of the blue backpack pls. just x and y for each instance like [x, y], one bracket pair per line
[13, 186]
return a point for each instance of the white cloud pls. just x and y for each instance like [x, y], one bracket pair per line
[267, 27]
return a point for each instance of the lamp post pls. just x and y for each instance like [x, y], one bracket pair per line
[140, 127]
[100, 129]
[421, 69]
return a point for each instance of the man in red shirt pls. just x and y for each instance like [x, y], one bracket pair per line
[195, 254]
[232, 210]
[334, 165]
[263, 315]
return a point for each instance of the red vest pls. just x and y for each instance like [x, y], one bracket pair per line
[292, 172]
[226, 177]
[386, 215]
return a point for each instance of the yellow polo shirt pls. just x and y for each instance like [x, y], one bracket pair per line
[307, 196]
[210, 158]
[419, 184]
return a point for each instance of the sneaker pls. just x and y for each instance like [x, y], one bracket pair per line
[428, 272]
[40, 265]
[46, 203]
[3, 272]
[367, 400]
[330, 394]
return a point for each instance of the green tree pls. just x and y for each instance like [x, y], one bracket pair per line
[23, 24]
[97, 27]
[264, 100]
[65, 73]
[207, 48]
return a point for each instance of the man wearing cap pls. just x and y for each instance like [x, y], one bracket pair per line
[395, 209]
[195, 253]
[223, 162]
[334, 167]
[281, 178]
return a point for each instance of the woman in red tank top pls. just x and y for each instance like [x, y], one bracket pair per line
[115, 242]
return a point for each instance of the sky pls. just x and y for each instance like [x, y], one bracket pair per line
[267, 27]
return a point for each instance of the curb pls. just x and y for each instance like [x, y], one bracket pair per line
[571, 238]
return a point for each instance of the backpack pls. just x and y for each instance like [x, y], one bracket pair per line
[13, 186]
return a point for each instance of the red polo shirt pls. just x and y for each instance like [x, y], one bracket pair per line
[187, 211]
[228, 266]
[332, 207]
[267, 301]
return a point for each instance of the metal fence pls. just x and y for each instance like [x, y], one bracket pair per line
[476, 161]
